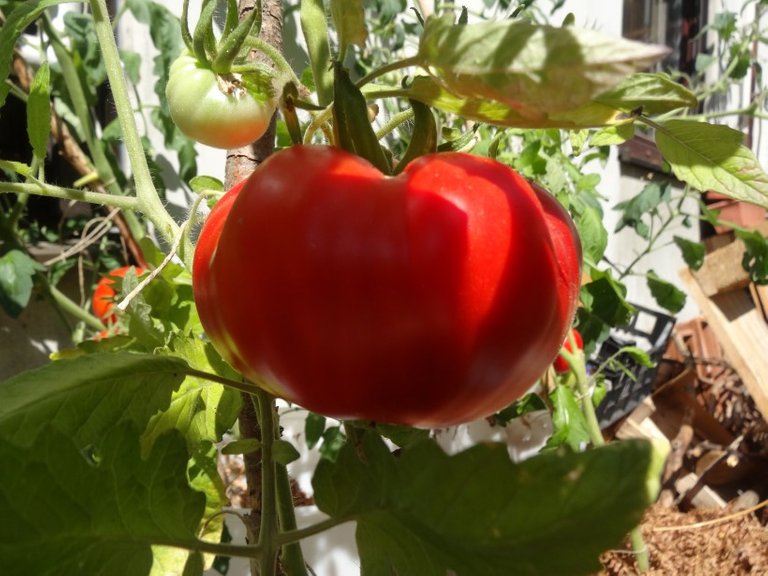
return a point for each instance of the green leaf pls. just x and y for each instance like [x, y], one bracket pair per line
[246, 446]
[650, 93]
[284, 452]
[605, 297]
[206, 183]
[424, 135]
[426, 90]
[132, 64]
[17, 272]
[87, 396]
[18, 20]
[638, 355]
[531, 402]
[39, 111]
[349, 20]
[351, 126]
[693, 252]
[200, 409]
[613, 135]
[16, 167]
[755, 259]
[95, 513]
[712, 157]
[536, 69]
[568, 422]
[477, 512]
[641, 205]
[667, 295]
[314, 27]
[592, 232]
[314, 426]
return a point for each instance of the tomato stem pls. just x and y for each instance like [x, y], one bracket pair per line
[148, 199]
[578, 367]
[390, 67]
[265, 409]
[275, 57]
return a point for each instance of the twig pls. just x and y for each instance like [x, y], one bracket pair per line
[713, 522]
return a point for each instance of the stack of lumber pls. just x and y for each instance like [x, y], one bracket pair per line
[710, 399]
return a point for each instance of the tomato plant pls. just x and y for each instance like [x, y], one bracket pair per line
[215, 109]
[431, 298]
[560, 364]
[104, 294]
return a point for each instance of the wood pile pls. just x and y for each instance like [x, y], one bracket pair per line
[710, 398]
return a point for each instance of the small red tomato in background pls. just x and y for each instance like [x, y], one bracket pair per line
[104, 294]
[431, 298]
[560, 365]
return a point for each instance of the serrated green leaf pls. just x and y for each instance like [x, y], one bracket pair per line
[755, 259]
[16, 22]
[87, 396]
[206, 183]
[39, 111]
[536, 69]
[693, 252]
[651, 93]
[426, 90]
[16, 167]
[636, 209]
[666, 294]
[712, 157]
[592, 232]
[568, 422]
[17, 271]
[613, 135]
[93, 515]
[200, 409]
[477, 512]
[605, 297]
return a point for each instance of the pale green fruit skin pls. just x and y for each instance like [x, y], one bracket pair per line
[204, 112]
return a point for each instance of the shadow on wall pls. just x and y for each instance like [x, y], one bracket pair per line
[27, 341]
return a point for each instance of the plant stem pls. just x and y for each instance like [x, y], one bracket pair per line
[265, 408]
[275, 57]
[291, 555]
[578, 367]
[40, 189]
[73, 309]
[391, 67]
[149, 201]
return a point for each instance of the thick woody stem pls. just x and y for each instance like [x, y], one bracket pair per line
[240, 163]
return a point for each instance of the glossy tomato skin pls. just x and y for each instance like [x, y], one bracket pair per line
[430, 298]
[103, 299]
[211, 110]
[560, 364]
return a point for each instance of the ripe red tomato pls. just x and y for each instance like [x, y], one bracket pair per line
[560, 364]
[431, 298]
[104, 294]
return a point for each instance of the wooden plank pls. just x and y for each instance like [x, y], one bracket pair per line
[760, 298]
[722, 270]
[742, 332]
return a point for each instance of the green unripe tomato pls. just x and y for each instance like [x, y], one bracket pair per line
[213, 109]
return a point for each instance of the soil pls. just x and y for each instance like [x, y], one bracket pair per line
[710, 542]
